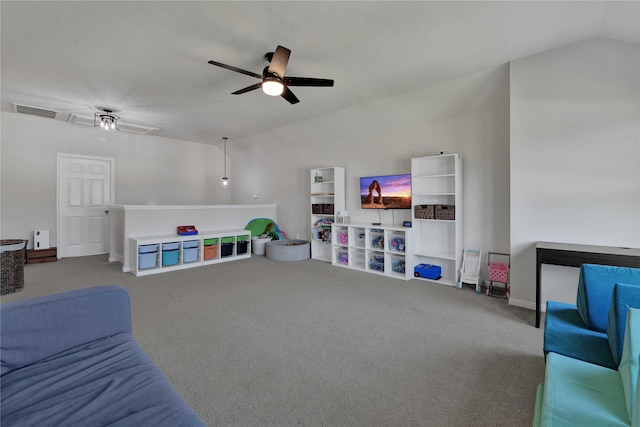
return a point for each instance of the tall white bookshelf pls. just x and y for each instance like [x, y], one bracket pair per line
[327, 198]
[436, 186]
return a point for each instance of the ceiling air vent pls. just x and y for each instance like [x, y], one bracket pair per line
[126, 127]
[34, 111]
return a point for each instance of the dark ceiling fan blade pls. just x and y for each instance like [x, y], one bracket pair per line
[279, 61]
[247, 89]
[307, 81]
[289, 96]
[236, 69]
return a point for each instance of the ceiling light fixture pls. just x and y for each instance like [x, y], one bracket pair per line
[271, 86]
[225, 180]
[105, 120]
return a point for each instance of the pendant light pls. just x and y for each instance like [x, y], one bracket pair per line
[225, 180]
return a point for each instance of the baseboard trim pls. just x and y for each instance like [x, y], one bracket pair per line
[522, 303]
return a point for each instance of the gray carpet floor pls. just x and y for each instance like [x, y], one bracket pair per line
[264, 343]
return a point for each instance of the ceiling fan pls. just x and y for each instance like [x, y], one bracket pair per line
[274, 82]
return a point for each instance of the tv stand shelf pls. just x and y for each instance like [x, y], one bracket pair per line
[377, 249]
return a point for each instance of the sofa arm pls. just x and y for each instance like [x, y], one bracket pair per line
[36, 328]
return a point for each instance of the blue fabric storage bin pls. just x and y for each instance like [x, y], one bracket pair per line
[147, 248]
[190, 244]
[170, 246]
[170, 257]
[190, 255]
[148, 260]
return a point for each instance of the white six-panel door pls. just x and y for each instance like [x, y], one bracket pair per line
[85, 189]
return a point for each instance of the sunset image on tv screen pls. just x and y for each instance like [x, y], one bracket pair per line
[386, 192]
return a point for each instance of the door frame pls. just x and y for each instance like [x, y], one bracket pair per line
[60, 156]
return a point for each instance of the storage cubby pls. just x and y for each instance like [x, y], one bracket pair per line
[437, 214]
[374, 249]
[229, 245]
[159, 254]
[327, 198]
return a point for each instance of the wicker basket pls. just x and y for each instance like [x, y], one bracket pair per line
[445, 212]
[12, 265]
[424, 211]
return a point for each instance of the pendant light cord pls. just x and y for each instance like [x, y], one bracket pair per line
[225, 155]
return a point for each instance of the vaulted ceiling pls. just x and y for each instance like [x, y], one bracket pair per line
[148, 59]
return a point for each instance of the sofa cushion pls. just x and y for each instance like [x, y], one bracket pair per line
[628, 368]
[110, 381]
[40, 327]
[577, 393]
[565, 333]
[595, 286]
[623, 297]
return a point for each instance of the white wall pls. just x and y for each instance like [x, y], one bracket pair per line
[468, 115]
[575, 156]
[148, 170]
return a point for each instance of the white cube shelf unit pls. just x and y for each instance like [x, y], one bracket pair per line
[377, 249]
[327, 199]
[186, 251]
[437, 214]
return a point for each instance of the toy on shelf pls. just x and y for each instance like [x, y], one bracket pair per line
[377, 242]
[187, 230]
[499, 273]
[343, 258]
[427, 271]
[397, 244]
[398, 265]
[470, 270]
[376, 262]
[322, 230]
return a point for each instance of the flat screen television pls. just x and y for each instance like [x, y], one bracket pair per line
[386, 192]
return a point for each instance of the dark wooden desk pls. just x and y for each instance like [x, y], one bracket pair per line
[571, 255]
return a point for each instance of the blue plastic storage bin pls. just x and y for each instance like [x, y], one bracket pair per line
[170, 246]
[190, 244]
[169, 257]
[144, 249]
[148, 260]
[190, 255]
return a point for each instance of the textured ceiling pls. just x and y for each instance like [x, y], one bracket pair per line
[149, 59]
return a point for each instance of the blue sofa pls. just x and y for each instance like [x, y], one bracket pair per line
[576, 393]
[580, 331]
[70, 359]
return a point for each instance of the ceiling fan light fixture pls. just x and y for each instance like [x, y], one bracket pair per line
[272, 87]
